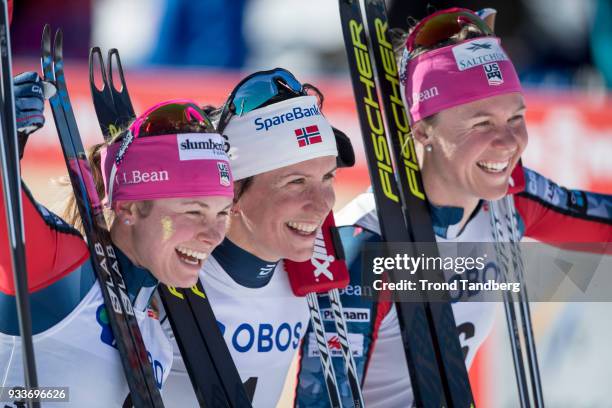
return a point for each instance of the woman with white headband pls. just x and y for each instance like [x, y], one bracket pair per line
[284, 155]
[169, 204]
[467, 112]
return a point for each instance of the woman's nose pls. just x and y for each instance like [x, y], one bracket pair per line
[321, 200]
[505, 138]
[211, 235]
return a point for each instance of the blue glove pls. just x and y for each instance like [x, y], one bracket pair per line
[30, 93]
[29, 102]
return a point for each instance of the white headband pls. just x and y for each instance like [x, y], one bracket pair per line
[278, 135]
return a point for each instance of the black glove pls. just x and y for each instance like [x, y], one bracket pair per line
[29, 106]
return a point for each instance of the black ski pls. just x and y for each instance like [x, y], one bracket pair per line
[435, 361]
[113, 106]
[137, 369]
[213, 375]
[196, 355]
[11, 186]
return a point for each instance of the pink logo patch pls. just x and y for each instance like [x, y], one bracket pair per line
[308, 135]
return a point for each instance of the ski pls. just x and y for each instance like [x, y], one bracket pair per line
[519, 267]
[137, 368]
[11, 186]
[437, 370]
[214, 377]
[113, 106]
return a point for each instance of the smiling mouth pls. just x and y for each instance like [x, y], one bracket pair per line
[303, 228]
[493, 167]
[191, 256]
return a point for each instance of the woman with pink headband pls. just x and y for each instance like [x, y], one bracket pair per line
[467, 111]
[169, 190]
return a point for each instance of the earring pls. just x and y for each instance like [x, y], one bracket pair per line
[126, 222]
[428, 148]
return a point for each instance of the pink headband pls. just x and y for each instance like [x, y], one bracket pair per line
[168, 166]
[455, 75]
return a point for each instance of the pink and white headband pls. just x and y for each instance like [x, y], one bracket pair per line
[455, 75]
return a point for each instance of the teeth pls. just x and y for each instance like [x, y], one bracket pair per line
[199, 256]
[302, 226]
[494, 166]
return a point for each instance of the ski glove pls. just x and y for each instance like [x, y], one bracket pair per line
[30, 92]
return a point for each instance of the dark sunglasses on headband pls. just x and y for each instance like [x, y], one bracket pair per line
[442, 25]
[256, 90]
[167, 118]
[175, 116]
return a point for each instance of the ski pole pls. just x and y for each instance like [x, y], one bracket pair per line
[11, 183]
[324, 354]
[509, 307]
[347, 354]
[532, 358]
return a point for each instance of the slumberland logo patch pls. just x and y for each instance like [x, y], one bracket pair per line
[200, 147]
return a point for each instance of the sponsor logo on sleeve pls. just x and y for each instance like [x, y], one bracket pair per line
[577, 201]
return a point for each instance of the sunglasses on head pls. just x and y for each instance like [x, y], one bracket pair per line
[258, 89]
[176, 116]
[442, 25]
[172, 116]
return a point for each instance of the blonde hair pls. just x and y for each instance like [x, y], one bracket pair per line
[71, 211]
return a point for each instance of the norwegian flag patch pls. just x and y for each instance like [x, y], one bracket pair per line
[308, 135]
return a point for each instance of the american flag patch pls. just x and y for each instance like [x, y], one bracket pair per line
[308, 135]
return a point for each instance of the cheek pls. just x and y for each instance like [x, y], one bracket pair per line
[220, 230]
[473, 148]
[330, 196]
[456, 156]
[175, 229]
[523, 138]
[168, 229]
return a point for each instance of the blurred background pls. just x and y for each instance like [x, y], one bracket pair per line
[200, 49]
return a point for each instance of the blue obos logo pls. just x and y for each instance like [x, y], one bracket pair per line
[265, 337]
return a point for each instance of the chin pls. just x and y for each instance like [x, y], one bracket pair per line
[184, 282]
[494, 193]
[300, 255]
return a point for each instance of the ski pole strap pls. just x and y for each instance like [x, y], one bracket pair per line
[455, 75]
[168, 166]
